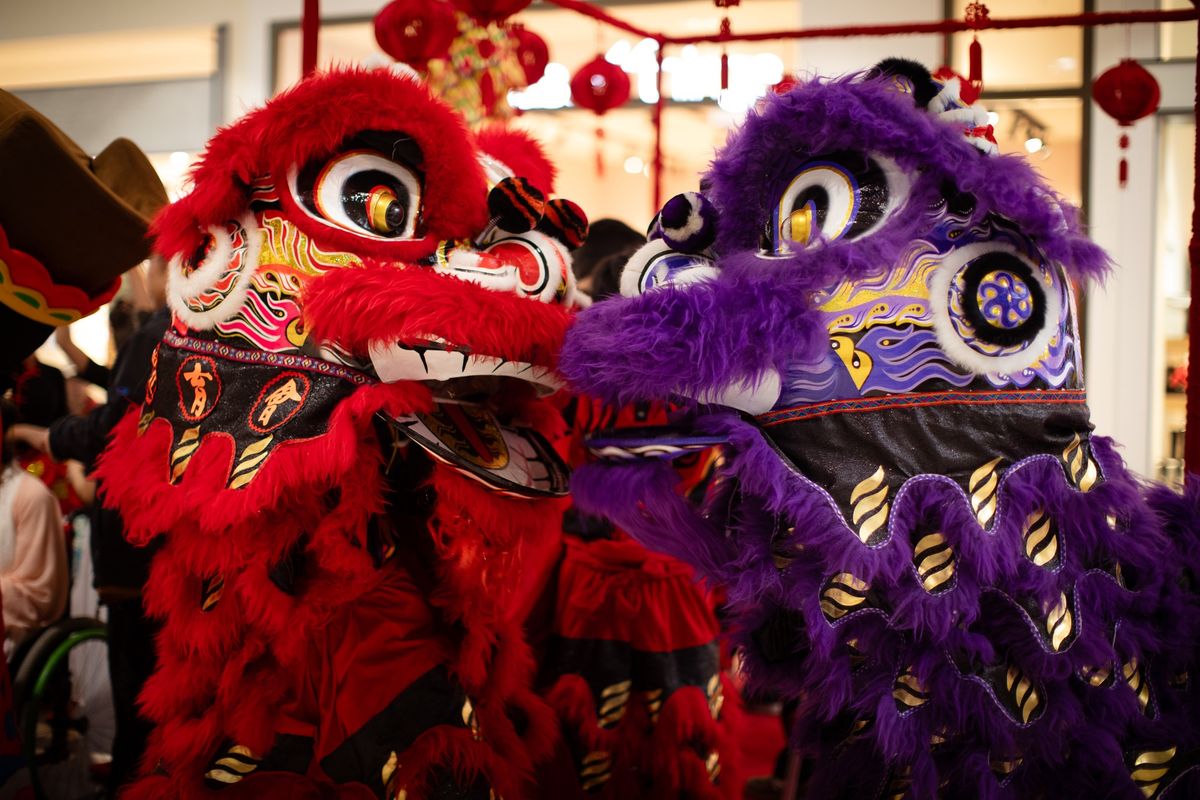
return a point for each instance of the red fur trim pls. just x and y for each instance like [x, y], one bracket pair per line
[311, 120]
[381, 303]
[294, 477]
[520, 152]
[456, 750]
[572, 698]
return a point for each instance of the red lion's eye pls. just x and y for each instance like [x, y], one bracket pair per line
[363, 192]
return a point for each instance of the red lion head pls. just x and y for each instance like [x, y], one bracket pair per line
[355, 219]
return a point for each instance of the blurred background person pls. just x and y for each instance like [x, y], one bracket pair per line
[33, 553]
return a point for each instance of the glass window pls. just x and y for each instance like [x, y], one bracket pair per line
[1176, 152]
[1045, 58]
[1049, 132]
[1177, 40]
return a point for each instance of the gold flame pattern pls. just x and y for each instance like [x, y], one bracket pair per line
[1003, 768]
[211, 590]
[1099, 677]
[1082, 470]
[934, 559]
[232, 765]
[250, 461]
[595, 770]
[144, 420]
[842, 594]
[470, 720]
[1135, 677]
[1024, 695]
[654, 704]
[982, 486]
[1040, 534]
[869, 507]
[181, 456]
[716, 696]
[613, 700]
[1149, 769]
[908, 692]
[1060, 623]
[712, 765]
[899, 782]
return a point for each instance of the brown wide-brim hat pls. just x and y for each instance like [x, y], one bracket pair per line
[70, 225]
[83, 218]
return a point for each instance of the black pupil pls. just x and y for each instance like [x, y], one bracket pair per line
[356, 200]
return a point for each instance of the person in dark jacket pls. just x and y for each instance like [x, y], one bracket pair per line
[120, 569]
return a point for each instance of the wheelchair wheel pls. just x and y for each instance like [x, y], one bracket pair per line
[64, 709]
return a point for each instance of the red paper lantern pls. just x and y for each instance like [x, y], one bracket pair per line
[486, 11]
[1127, 93]
[531, 52]
[416, 31]
[600, 86]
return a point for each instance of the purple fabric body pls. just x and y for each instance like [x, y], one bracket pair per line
[774, 540]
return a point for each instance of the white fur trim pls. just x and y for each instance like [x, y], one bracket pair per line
[953, 345]
[951, 93]
[181, 286]
[694, 220]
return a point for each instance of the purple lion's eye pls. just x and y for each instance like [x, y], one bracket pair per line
[835, 196]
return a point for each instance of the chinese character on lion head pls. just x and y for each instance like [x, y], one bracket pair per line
[344, 449]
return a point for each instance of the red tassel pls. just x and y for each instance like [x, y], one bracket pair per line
[1123, 169]
[600, 150]
[975, 76]
[726, 32]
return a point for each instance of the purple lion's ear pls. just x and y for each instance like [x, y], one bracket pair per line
[910, 78]
[688, 222]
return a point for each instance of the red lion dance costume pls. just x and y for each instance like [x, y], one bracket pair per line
[343, 447]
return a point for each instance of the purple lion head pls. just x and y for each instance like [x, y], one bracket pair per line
[868, 315]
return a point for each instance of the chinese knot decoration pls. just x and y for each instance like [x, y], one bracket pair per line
[1127, 93]
[465, 51]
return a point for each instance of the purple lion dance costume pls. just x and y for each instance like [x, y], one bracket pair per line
[922, 542]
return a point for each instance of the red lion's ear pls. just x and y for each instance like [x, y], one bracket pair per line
[521, 153]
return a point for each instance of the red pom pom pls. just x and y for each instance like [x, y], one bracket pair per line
[600, 86]
[416, 31]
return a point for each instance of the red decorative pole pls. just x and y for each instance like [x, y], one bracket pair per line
[309, 24]
[1191, 437]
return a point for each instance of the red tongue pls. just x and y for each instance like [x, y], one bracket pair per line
[454, 414]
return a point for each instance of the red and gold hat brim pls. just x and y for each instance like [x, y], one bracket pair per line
[27, 287]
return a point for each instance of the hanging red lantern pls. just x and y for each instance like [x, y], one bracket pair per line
[532, 52]
[416, 31]
[1127, 93]
[488, 11]
[600, 86]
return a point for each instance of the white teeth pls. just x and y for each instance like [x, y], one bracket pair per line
[395, 363]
